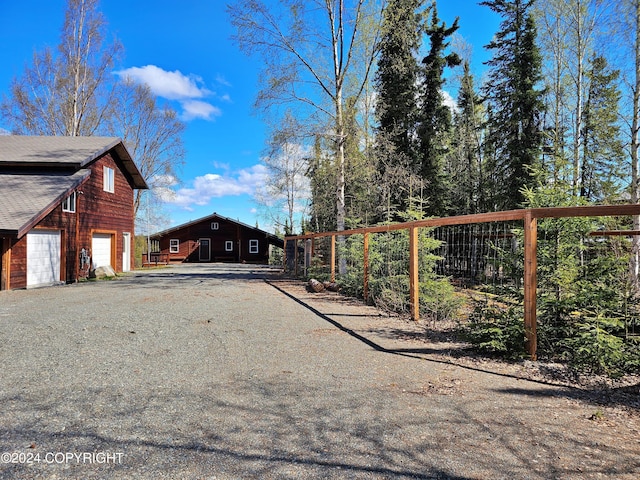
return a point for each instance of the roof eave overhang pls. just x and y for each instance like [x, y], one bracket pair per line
[138, 180]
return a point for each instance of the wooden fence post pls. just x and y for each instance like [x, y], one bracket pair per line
[530, 283]
[306, 261]
[295, 258]
[284, 255]
[365, 261]
[333, 258]
[414, 280]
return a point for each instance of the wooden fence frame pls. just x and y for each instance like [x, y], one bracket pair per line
[529, 217]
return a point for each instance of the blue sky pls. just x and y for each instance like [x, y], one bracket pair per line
[184, 52]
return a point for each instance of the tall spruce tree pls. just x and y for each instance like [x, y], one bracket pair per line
[360, 191]
[603, 148]
[435, 117]
[516, 105]
[465, 164]
[396, 84]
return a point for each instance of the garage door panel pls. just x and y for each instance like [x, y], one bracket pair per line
[43, 257]
[101, 249]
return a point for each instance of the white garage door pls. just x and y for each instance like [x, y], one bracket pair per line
[43, 257]
[101, 250]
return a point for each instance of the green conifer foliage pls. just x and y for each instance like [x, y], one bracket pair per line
[603, 148]
[515, 133]
[465, 160]
[396, 107]
[435, 117]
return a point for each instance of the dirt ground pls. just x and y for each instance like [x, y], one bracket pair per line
[233, 372]
[617, 399]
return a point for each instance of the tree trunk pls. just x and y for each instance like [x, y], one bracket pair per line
[634, 262]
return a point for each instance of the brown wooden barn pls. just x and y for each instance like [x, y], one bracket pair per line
[212, 239]
[66, 207]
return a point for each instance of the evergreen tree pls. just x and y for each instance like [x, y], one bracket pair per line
[603, 147]
[465, 163]
[515, 134]
[322, 175]
[435, 116]
[396, 84]
[360, 190]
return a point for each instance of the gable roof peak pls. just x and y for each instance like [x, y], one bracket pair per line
[32, 151]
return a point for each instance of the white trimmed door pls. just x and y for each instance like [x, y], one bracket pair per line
[43, 257]
[126, 252]
[101, 250]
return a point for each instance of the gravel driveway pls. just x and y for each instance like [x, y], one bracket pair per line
[226, 372]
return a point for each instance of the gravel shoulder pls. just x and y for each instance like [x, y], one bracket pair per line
[230, 371]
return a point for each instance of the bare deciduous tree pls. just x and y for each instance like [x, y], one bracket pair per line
[67, 93]
[151, 133]
[630, 30]
[72, 92]
[309, 50]
[285, 194]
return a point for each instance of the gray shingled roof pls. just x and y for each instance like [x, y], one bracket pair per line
[37, 173]
[71, 152]
[26, 198]
[52, 151]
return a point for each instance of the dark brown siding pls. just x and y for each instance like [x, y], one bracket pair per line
[105, 212]
[190, 235]
[97, 211]
[19, 264]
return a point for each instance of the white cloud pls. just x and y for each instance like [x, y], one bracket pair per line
[222, 81]
[163, 180]
[170, 85]
[213, 185]
[188, 90]
[199, 109]
[221, 165]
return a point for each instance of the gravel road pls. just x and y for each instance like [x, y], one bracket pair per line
[228, 372]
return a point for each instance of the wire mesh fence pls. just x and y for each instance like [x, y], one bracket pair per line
[505, 265]
[480, 254]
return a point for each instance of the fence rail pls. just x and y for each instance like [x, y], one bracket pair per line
[528, 217]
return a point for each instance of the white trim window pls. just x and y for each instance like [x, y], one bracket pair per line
[254, 246]
[108, 179]
[69, 203]
[174, 245]
[228, 246]
[215, 225]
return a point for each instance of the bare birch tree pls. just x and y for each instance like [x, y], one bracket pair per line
[309, 49]
[67, 93]
[569, 30]
[152, 134]
[630, 35]
[285, 194]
